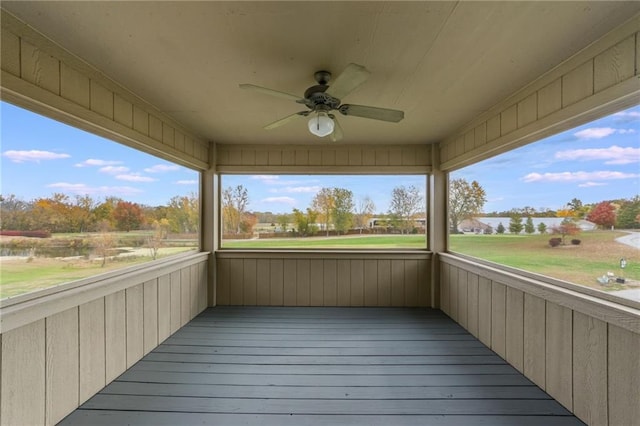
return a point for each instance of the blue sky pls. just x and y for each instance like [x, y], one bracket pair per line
[594, 162]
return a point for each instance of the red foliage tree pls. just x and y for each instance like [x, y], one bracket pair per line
[567, 227]
[603, 215]
[128, 216]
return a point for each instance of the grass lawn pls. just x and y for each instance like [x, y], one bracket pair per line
[346, 242]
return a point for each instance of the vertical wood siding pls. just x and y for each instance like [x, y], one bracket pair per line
[590, 366]
[51, 366]
[320, 280]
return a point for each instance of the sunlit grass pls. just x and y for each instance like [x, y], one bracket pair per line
[347, 242]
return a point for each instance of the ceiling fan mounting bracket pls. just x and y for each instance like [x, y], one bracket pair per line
[322, 77]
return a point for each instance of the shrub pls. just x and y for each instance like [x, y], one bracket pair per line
[555, 242]
[575, 242]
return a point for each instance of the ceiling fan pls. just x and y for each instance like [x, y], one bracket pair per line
[322, 98]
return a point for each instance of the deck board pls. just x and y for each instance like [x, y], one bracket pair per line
[319, 366]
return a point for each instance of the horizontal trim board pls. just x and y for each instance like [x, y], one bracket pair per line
[318, 254]
[329, 169]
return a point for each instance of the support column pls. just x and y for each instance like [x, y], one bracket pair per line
[438, 223]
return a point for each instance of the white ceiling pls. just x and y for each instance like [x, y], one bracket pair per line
[443, 63]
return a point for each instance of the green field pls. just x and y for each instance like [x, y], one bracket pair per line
[347, 242]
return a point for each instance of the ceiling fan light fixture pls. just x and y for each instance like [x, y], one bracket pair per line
[320, 124]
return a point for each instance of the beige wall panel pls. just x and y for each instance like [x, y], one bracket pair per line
[122, 111]
[559, 354]
[637, 52]
[480, 135]
[140, 120]
[411, 283]
[275, 158]
[276, 282]
[534, 339]
[368, 157]
[101, 100]
[445, 288]
[248, 157]
[222, 155]
[590, 369]
[454, 299]
[115, 332]
[458, 146]
[315, 158]
[302, 157]
[498, 318]
[39, 68]
[357, 282]
[155, 128]
[409, 156]
[236, 278]
[509, 120]
[462, 298]
[382, 157]
[384, 282]
[342, 157]
[62, 369]
[176, 302]
[395, 156]
[515, 328]
[624, 376]
[10, 52]
[195, 291]
[469, 140]
[74, 86]
[135, 324]
[185, 296]
[424, 283]
[355, 156]
[223, 281]
[328, 157]
[330, 275]
[250, 281]
[189, 146]
[203, 283]
[23, 375]
[577, 84]
[168, 135]
[303, 282]
[614, 65]
[493, 128]
[288, 157]
[316, 282]
[164, 307]
[472, 303]
[150, 315]
[263, 287]
[289, 282]
[550, 98]
[179, 141]
[370, 282]
[423, 155]
[397, 282]
[343, 275]
[92, 348]
[484, 310]
[528, 110]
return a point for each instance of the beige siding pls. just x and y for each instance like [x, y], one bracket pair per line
[602, 76]
[51, 365]
[575, 353]
[307, 279]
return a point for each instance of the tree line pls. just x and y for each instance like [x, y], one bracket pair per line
[61, 213]
[331, 210]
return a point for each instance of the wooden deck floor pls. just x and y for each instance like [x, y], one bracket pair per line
[322, 366]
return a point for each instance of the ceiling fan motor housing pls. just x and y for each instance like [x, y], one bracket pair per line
[314, 97]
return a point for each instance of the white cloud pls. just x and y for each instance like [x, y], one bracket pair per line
[83, 189]
[578, 176]
[32, 155]
[92, 162]
[611, 155]
[162, 168]
[133, 177]
[591, 184]
[595, 133]
[279, 200]
[113, 170]
[298, 190]
[632, 114]
[186, 182]
[266, 179]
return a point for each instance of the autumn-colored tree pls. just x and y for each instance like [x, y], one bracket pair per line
[628, 216]
[323, 203]
[249, 221]
[603, 215]
[342, 213]
[104, 242]
[104, 211]
[160, 231]
[183, 213]
[364, 211]
[234, 205]
[305, 223]
[128, 216]
[405, 204]
[465, 200]
[566, 227]
[14, 213]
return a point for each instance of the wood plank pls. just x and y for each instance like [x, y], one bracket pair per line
[397, 282]
[194, 291]
[454, 299]
[411, 283]
[356, 281]
[101, 99]
[534, 339]
[316, 282]
[10, 52]
[550, 98]
[509, 120]
[74, 86]
[498, 318]
[176, 301]
[614, 65]
[164, 307]
[115, 334]
[250, 281]
[577, 84]
[559, 354]
[62, 366]
[262, 285]
[185, 296]
[92, 348]
[424, 284]
[384, 282]
[276, 282]
[462, 298]
[23, 375]
[122, 111]
[343, 281]
[39, 68]
[370, 282]
[515, 328]
[303, 280]
[590, 369]
[203, 291]
[472, 303]
[150, 315]
[445, 288]
[135, 324]
[623, 376]
[289, 282]
[236, 277]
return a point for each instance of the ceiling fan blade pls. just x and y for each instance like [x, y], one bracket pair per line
[337, 134]
[383, 114]
[272, 92]
[352, 77]
[285, 120]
